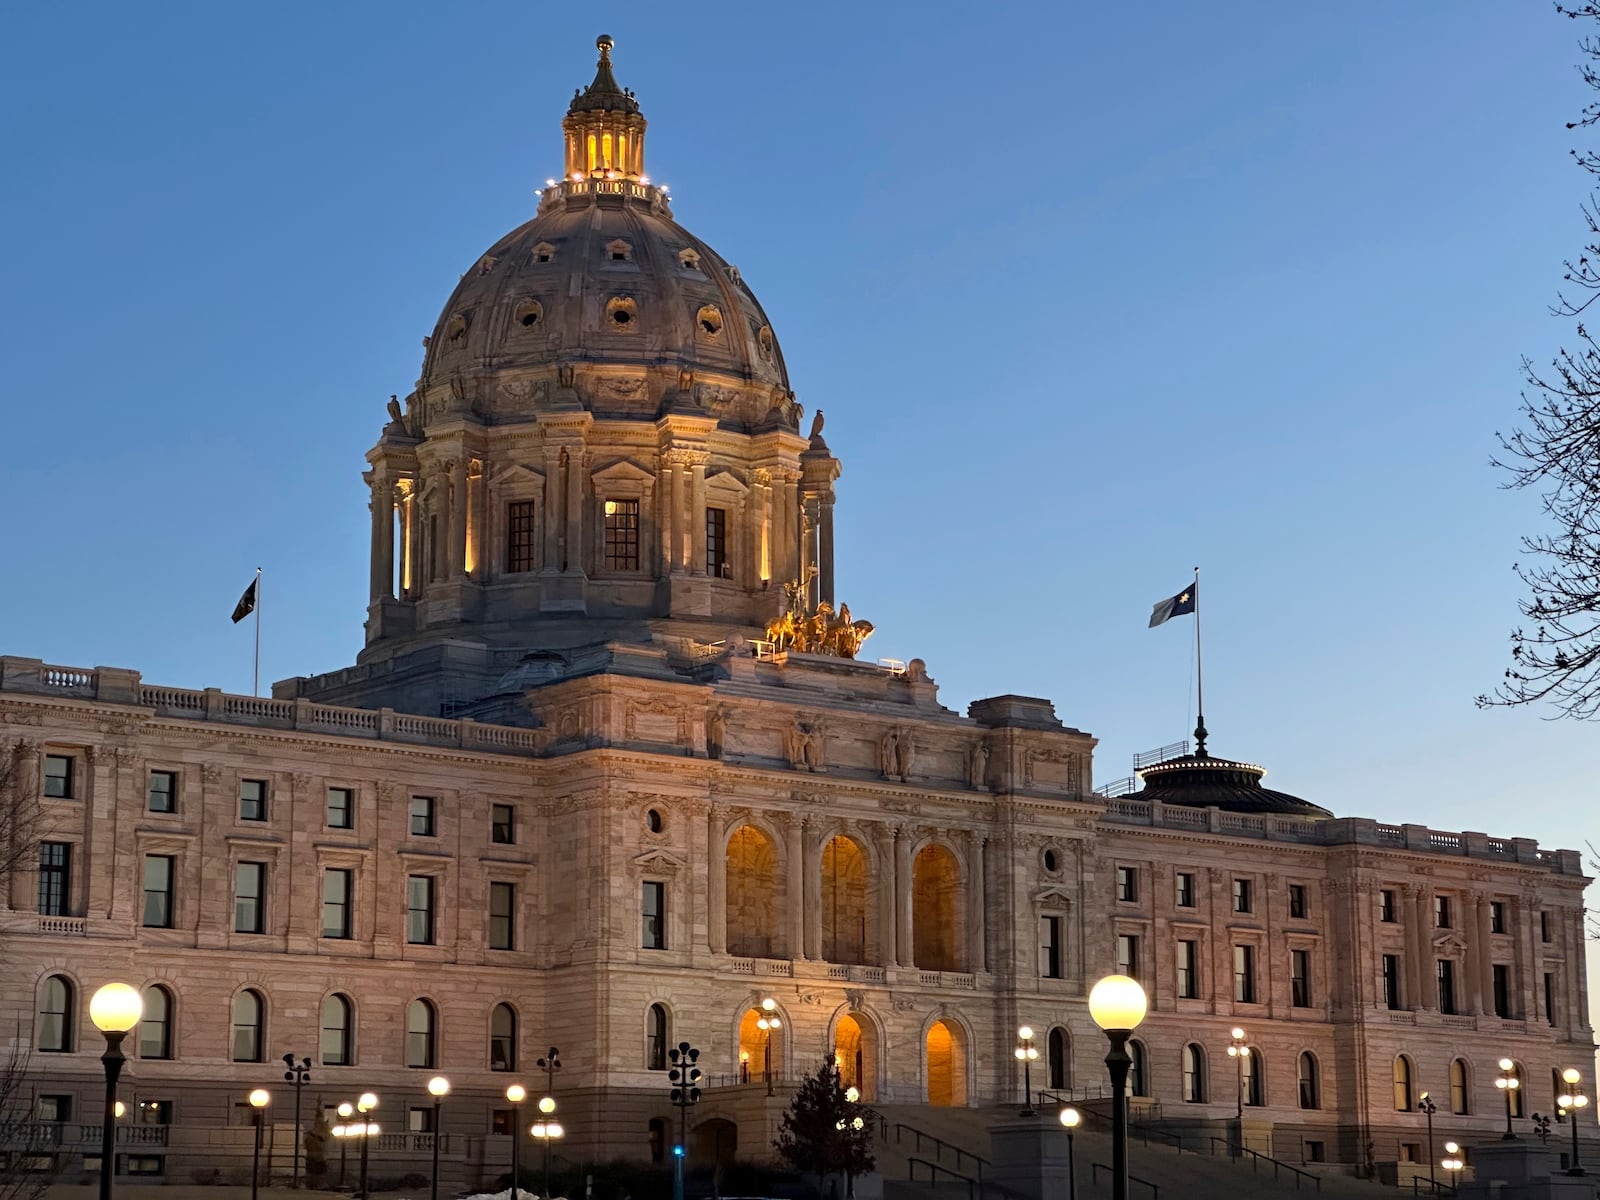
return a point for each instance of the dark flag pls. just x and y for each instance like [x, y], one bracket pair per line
[247, 602]
[1183, 602]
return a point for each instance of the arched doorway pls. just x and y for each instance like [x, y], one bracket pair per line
[936, 916]
[1058, 1059]
[946, 1056]
[760, 1043]
[855, 1051]
[754, 928]
[715, 1141]
[844, 901]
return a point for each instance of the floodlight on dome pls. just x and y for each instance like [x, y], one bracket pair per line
[1117, 1003]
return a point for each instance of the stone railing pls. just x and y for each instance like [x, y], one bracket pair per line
[107, 685]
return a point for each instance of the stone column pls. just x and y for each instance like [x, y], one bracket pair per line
[405, 504]
[808, 557]
[1421, 906]
[439, 529]
[716, 884]
[813, 889]
[664, 517]
[382, 506]
[825, 545]
[1480, 956]
[552, 507]
[763, 510]
[676, 503]
[904, 880]
[574, 509]
[697, 519]
[795, 871]
[976, 906]
[458, 519]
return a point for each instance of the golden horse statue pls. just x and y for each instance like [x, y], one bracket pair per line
[818, 630]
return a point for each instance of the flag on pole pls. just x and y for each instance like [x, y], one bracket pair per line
[1183, 602]
[247, 602]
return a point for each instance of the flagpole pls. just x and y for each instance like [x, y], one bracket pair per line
[1199, 676]
[255, 684]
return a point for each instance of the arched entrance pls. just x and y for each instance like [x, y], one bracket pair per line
[844, 901]
[946, 1057]
[760, 1044]
[715, 1141]
[855, 1051]
[754, 928]
[936, 916]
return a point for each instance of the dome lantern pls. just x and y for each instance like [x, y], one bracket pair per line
[604, 128]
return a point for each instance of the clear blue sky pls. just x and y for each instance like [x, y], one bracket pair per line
[1090, 294]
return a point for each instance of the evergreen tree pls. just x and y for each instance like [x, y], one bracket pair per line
[826, 1130]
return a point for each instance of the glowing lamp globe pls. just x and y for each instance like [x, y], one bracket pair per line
[438, 1087]
[366, 1102]
[346, 1109]
[1117, 1003]
[115, 1008]
[1452, 1148]
[260, 1098]
[516, 1093]
[1571, 1075]
[547, 1104]
[1071, 1118]
[120, 1109]
[852, 1095]
[1025, 1033]
[1506, 1064]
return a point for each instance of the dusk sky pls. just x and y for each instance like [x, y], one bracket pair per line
[1091, 294]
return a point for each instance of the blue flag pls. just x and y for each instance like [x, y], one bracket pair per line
[1183, 602]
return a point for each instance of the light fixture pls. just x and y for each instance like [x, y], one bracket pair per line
[547, 1105]
[1117, 1004]
[115, 1008]
[516, 1093]
[438, 1087]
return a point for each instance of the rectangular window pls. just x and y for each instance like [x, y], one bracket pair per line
[163, 794]
[144, 1164]
[1549, 998]
[1050, 947]
[1447, 985]
[653, 905]
[1241, 895]
[622, 535]
[341, 808]
[54, 1109]
[55, 879]
[1544, 926]
[1497, 916]
[58, 776]
[1244, 974]
[337, 885]
[502, 824]
[1441, 912]
[419, 1120]
[252, 800]
[249, 889]
[419, 910]
[1386, 906]
[422, 816]
[502, 916]
[522, 537]
[1316, 1152]
[158, 891]
[1185, 897]
[153, 1112]
[1127, 884]
[1300, 978]
[502, 1121]
[1297, 902]
[1391, 980]
[1188, 970]
[1128, 955]
[1502, 990]
[717, 564]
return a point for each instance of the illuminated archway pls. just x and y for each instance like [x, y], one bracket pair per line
[936, 912]
[945, 1054]
[754, 924]
[845, 901]
[855, 1052]
[760, 1049]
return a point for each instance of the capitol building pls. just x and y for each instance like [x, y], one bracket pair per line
[614, 771]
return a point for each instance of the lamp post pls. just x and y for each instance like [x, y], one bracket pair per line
[259, 1099]
[114, 1009]
[438, 1088]
[1238, 1050]
[342, 1132]
[767, 1022]
[516, 1093]
[1508, 1082]
[365, 1103]
[1452, 1164]
[684, 1077]
[297, 1076]
[550, 1064]
[546, 1129]
[1027, 1055]
[1070, 1119]
[1117, 1003]
[1572, 1102]
[1427, 1108]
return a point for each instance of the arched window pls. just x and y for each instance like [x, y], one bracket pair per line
[658, 1141]
[655, 1038]
[337, 1013]
[1460, 1095]
[419, 1034]
[56, 1015]
[1138, 1077]
[503, 1038]
[1518, 1108]
[155, 1024]
[1060, 1058]
[1194, 1074]
[1255, 1078]
[248, 1014]
[1403, 1100]
[1310, 1084]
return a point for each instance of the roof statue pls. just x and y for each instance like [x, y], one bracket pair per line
[815, 630]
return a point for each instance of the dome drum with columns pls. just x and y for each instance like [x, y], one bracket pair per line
[603, 442]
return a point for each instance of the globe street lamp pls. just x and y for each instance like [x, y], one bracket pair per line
[550, 1064]
[259, 1099]
[767, 1022]
[114, 1009]
[438, 1088]
[1117, 1003]
[365, 1103]
[1071, 1118]
[1427, 1108]
[1508, 1082]
[1027, 1055]
[1572, 1102]
[342, 1132]
[1238, 1051]
[546, 1129]
[516, 1093]
[1452, 1164]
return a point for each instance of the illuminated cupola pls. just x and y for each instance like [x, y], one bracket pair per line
[604, 128]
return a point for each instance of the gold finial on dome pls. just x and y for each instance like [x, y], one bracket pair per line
[604, 128]
[603, 43]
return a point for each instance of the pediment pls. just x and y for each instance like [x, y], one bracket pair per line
[622, 471]
[659, 860]
[1052, 897]
[516, 473]
[726, 481]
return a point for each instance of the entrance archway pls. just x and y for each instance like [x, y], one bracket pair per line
[760, 1050]
[844, 901]
[936, 916]
[946, 1057]
[715, 1141]
[855, 1051]
[752, 895]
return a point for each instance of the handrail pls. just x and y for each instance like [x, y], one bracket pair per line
[939, 1144]
[1096, 1168]
[935, 1170]
[1236, 1151]
[1434, 1184]
[1142, 1131]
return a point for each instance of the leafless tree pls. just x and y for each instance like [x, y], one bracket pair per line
[26, 1144]
[1555, 451]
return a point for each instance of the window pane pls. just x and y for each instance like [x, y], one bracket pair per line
[341, 808]
[653, 904]
[248, 900]
[163, 797]
[422, 816]
[503, 1039]
[252, 800]
[157, 891]
[55, 1015]
[55, 878]
[622, 535]
[336, 886]
[58, 776]
[717, 564]
[502, 912]
[419, 1034]
[521, 536]
[155, 1025]
[502, 820]
[335, 1041]
[419, 914]
[246, 1027]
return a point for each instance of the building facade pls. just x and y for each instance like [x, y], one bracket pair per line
[607, 778]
